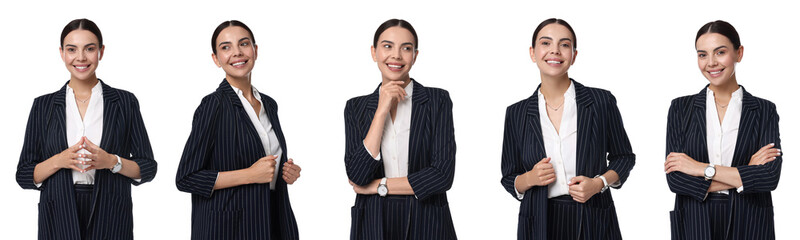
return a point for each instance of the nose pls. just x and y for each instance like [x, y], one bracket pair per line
[81, 56]
[238, 51]
[555, 50]
[396, 53]
[712, 62]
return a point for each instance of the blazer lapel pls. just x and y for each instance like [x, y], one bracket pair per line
[371, 106]
[242, 118]
[272, 115]
[748, 130]
[535, 139]
[420, 117]
[111, 114]
[697, 129]
[586, 127]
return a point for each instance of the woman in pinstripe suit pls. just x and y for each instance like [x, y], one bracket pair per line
[234, 163]
[400, 147]
[85, 145]
[723, 149]
[563, 147]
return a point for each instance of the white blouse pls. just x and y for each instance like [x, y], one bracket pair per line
[721, 138]
[264, 128]
[395, 139]
[90, 126]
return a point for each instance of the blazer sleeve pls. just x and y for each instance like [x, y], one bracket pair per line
[764, 178]
[193, 175]
[438, 177]
[31, 147]
[681, 183]
[359, 164]
[511, 160]
[620, 154]
[141, 151]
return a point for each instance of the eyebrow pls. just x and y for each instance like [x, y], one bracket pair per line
[71, 45]
[549, 38]
[715, 49]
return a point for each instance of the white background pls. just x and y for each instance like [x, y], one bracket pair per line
[314, 55]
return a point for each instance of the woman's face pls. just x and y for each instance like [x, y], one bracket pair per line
[236, 53]
[717, 58]
[553, 52]
[81, 53]
[395, 53]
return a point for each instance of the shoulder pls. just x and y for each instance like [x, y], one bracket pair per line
[357, 102]
[682, 101]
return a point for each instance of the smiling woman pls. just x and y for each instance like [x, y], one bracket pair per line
[88, 177]
[564, 146]
[400, 147]
[235, 161]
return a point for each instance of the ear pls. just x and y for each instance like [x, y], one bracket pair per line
[255, 52]
[216, 61]
[740, 52]
[414, 58]
[372, 51]
[63, 57]
[533, 55]
[574, 55]
[101, 53]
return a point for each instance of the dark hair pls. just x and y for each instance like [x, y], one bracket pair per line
[395, 23]
[223, 26]
[556, 21]
[721, 27]
[81, 24]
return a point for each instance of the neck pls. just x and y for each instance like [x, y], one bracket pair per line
[83, 86]
[406, 81]
[242, 84]
[724, 91]
[554, 86]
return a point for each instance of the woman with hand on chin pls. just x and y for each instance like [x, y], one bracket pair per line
[723, 149]
[400, 147]
[563, 147]
[234, 163]
[85, 144]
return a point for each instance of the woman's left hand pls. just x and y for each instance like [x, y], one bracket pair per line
[100, 158]
[582, 188]
[681, 162]
[369, 189]
[291, 171]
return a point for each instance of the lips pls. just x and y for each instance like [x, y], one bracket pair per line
[395, 67]
[239, 64]
[554, 61]
[715, 73]
[81, 68]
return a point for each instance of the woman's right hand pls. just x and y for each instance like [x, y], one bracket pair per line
[764, 155]
[542, 173]
[69, 158]
[263, 170]
[391, 93]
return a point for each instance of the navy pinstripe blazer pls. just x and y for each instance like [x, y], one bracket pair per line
[431, 165]
[601, 137]
[223, 139]
[124, 134]
[751, 210]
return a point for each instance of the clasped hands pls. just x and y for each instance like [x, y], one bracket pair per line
[581, 188]
[97, 158]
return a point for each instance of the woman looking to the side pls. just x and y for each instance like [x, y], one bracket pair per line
[234, 163]
[723, 149]
[85, 144]
[400, 147]
[563, 147]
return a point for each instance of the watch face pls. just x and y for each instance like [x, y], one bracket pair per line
[382, 190]
[710, 171]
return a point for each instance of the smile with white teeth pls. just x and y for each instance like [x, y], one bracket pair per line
[238, 63]
[82, 67]
[394, 66]
[554, 62]
[716, 72]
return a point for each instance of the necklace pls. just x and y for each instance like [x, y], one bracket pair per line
[83, 101]
[554, 108]
[720, 105]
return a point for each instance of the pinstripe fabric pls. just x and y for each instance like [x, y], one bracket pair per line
[223, 139]
[751, 210]
[601, 137]
[431, 165]
[124, 134]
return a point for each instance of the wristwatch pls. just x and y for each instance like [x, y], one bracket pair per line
[605, 183]
[382, 189]
[117, 166]
[710, 172]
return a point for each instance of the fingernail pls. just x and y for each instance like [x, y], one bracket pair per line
[773, 144]
[779, 150]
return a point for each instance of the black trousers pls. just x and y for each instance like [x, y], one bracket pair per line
[719, 213]
[84, 201]
[562, 218]
[396, 217]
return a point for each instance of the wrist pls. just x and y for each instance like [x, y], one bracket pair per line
[530, 180]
